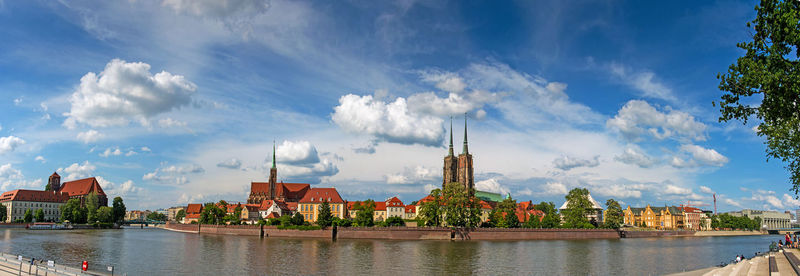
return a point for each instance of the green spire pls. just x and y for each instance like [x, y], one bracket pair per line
[273, 154]
[465, 150]
[451, 136]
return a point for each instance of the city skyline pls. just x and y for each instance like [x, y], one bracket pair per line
[174, 102]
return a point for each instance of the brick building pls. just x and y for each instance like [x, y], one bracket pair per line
[17, 202]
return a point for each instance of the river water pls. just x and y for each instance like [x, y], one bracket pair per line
[161, 252]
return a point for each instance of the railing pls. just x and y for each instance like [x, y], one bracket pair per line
[20, 265]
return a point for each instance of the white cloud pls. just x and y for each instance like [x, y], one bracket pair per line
[77, 171]
[554, 188]
[131, 153]
[11, 178]
[296, 153]
[126, 188]
[675, 190]
[170, 123]
[145, 149]
[219, 9]
[10, 143]
[173, 174]
[567, 163]
[40, 159]
[704, 156]
[638, 118]
[311, 173]
[391, 122]
[111, 152]
[706, 190]
[635, 156]
[413, 175]
[791, 202]
[454, 104]
[446, 81]
[491, 185]
[232, 163]
[126, 92]
[89, 136]
[643, 81]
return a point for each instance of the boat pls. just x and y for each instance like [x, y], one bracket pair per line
[45, 226]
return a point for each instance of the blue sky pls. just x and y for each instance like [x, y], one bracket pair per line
[178, 101]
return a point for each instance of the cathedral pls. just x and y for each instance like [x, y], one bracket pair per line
[274, 190]
[458, 169]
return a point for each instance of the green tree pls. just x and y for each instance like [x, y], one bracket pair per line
[365, 214]
[28, 215]
[180, 215]
[460, 209]
[91, 206]
[613, 215]
[324, 217]
[394, 221]
[769, 71]
[3, 213]
[73, 211]
[507, 209]
[118, 209]
[212, 214]
[496, 219]
[39, 215]
[298, 219]
[430, 212]
[578, 207]
[105, 214]
[551, 218]
[151, 216]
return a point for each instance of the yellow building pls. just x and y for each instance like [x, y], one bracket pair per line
[309, 205]
[666, 218]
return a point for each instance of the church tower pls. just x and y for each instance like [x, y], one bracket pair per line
[465, 169]
[273, 175]
[450, 162]
[54, 182]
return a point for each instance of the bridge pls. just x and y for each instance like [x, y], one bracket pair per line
[143, 221]
[783, 231]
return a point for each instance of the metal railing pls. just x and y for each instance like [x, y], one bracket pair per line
[21, 265]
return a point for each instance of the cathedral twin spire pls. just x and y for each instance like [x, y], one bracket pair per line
[465, 149]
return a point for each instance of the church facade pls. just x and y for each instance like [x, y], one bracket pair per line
[458, 168]
[274, 190]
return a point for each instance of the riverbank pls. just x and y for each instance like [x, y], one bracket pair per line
[18, 265]
[771, 263]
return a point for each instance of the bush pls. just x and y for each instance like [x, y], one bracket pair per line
[394, 221]
[103, 225]
[344, 223]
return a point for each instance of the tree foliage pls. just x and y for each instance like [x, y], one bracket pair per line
[578, 207]
[92, 203]
[613, 216]
[324, 217]
[151, 216]
[73, 211]
[430, 212]
[551, 218]
[732, 222]
[39, 215]
[118, 210]
[365, 214]
[106, 214]
[394, 221]
[769, 70]
[298, 219]
[180, 215]
[28, 216]
[3, 213]
[212, 214]
[460, 210]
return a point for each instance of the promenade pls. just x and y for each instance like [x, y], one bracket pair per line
[784, 262]
[11, 265]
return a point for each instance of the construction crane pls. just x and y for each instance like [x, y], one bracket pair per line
[715, 203]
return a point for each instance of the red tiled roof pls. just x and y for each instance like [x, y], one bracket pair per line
[251, 207]
[192, 216]
[291, 191]
[380, 206]
[82, 187]
[394, 202]
[411, 208]
[690, 210]
[194, 209]
[292, 206]
[485, 205]
[265, 204]
[55, 174]
[318, 195]
[273, 215]
[35, 196]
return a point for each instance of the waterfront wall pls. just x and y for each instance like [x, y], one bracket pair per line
[498, 234]
[13, 225]
[241, 230]
[655, 234]
[394, 233]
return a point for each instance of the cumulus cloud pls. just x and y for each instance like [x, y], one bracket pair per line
[567, 163]
[446, 81]
[10, 143]
[454, 104]
[693, 156]
[11, 178]
[232, 163]
[126, 92]
[554, 188]
[174, 174]
[170, 123]
[126, 188]
[635, 156]
[111, 152]
[77, 171]
[390, 122]
[413, 175]
[638, 118]
[40, 159]
[89, 136]
[491, 185]
[675, 190]
[706, 190]
[311, 173]
[145, 149]
[733, 202]
[643, 81]
[296, 153]
[219, 9]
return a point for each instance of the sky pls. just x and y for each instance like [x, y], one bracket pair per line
[180, 101]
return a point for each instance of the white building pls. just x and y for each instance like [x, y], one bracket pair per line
[17, 202]
[595, 214]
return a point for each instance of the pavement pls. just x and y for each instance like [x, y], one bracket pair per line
[756, 266]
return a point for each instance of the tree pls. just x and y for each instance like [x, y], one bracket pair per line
[91, 206]
[496, 219]
[324, 217]
[365, 214]
[151, 216]
[180, 215]
[106, 214]
[73, 211]
[613, 214]
[507, 209]
[212, 214]
[430, 212]
[118, 210]
[394, 221]
[235, 217]
[769, 71]
[578, 206]
[551, 218]
[460, 209]
[298, 219]
[28, 215]
[3, 213]
[39, 215]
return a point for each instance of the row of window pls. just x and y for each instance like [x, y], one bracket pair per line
[309, 208]
[18, 211]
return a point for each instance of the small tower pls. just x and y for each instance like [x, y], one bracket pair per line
[465, 169]
[450, 162]
[54, 182]
[273, 174]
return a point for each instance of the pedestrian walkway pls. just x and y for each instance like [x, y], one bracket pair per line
[773, 264]
[12, 265]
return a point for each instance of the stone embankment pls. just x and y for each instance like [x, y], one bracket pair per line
[784, 262]
[12, 265]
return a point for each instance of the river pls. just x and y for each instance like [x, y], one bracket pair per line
[161, 252]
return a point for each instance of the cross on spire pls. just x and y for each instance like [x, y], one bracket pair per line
[273, 154]
[465, 134]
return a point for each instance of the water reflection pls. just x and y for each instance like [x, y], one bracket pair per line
[153, 251]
